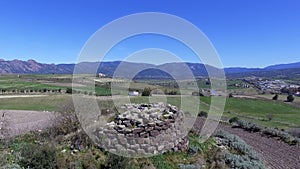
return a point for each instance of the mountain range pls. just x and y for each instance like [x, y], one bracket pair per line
[149, 70]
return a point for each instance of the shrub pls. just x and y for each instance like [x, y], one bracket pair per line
[290, 98]
[284, 136]
[248, 126]
[66, 120]
[233, 120]
[275, 97]
[116, 162]
[189, 166]
[237, 161]
[202, 114]
[69, 91]
[35, 156]
[294, 132]
[146, 91]
[12, 166]
[241, 155]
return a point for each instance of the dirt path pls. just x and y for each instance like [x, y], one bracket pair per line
[276, 154]
[18, 122]
[17, 96]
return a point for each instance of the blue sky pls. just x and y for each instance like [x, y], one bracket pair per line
[247, 33]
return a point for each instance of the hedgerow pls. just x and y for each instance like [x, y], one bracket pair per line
[270, 132]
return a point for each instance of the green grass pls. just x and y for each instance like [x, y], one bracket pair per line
[48, 103]
[23, 85]
[256, 110]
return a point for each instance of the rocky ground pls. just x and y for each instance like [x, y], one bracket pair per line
[18, 122]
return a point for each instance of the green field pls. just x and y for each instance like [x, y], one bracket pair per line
[256, 110]
[48, 103]
[284, 116]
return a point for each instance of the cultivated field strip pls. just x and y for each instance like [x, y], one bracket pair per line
[276, 154]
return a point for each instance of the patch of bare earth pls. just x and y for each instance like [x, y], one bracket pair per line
[276, 154]
[19, 122]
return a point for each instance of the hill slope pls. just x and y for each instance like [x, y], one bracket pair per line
[146, 70]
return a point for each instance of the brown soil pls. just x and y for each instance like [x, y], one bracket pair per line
[18, 122]
[276, 154]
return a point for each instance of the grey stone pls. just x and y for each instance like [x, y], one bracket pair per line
[144, 135]
[137, 130]
[151, 124]
[135, 146]
[122, 139]
[131, 152]
[147, 129]
[151, 149]
[154, 133]
[140, 151]
[160, 147]
[158, 128]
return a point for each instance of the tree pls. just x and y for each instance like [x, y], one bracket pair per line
[230, 95]
[275, 97]
[69, 91]
[146, 91]
[290, 98]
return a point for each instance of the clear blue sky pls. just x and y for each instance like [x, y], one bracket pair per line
[251, 33]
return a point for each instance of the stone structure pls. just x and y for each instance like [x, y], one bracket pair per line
[144, 129]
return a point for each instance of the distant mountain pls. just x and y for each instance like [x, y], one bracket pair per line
[33, 67]
[293, 73]
[241, 70]
[284, 66]
[149, 71]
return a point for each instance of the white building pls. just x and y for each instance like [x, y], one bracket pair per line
[133, 93]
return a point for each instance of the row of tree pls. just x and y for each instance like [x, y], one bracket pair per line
[289, 98]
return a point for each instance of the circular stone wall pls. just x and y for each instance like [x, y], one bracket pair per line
[143, 130]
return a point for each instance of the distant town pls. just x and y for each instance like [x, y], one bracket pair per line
[274, 86]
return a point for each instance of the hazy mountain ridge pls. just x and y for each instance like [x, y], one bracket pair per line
[149, 70]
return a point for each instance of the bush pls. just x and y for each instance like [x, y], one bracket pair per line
[116, 162]
[69, 91]
[241, 155]
[202, 114]
[284, 136]
[189, 166]
[12, 166]
[233, 120]
[290, 98]
[275, 97]
[146, 91]
[248, 126]
[35, 156]
[66, 120]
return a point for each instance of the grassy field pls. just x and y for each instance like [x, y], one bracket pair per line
[48, 103]
[257, 110]
[280, 97]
